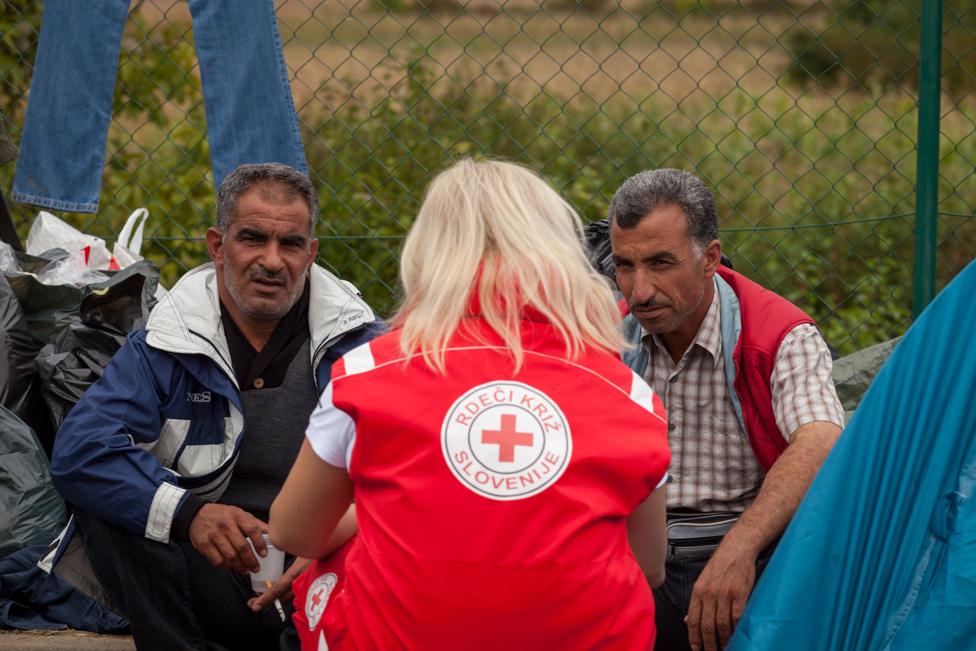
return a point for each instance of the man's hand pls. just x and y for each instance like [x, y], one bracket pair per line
[220, 533]
[718, 599]
[720, 594]
[280, 589]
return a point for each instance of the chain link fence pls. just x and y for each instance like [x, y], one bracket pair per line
[801, 115]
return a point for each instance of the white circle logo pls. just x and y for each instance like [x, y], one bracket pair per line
[506, 440]
[318, 597]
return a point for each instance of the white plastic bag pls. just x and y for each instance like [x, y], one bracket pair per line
[50, 232]
[126, 248]
[71, 270]
[8, 260]
[87, 254]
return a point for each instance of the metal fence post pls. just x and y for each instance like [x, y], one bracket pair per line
[927, 161]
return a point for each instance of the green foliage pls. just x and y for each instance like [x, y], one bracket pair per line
[439, 7]
[784, 177]
[873, 44]
[591, 6]
[390, 6]
[20, 24]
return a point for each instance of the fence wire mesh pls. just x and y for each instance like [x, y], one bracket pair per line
[801, 115]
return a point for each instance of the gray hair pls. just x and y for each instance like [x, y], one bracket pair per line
[644, 192]
[246, 176]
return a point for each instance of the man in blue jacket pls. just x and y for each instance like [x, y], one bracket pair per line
[172, 459]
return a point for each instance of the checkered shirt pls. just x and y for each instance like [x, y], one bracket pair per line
[712, 463]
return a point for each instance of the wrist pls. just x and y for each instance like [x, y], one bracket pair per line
[742, 542]
[184, 516]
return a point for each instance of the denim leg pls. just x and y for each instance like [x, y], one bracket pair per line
[671, 601]
[173, 597]
[672, 598]
[62, 150]
[250, 111]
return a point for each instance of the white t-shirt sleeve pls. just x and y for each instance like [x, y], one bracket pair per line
[331, 432]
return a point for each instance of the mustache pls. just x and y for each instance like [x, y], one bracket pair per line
[264, 274]
[647, 305]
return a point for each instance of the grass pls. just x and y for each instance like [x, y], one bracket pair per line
[620, 52]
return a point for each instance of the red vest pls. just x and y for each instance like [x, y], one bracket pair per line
[492, 506]
[766, 318]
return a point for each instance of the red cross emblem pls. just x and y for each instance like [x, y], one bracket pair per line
[318, 597]
[506, 438]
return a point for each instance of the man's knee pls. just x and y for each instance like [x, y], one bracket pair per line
[122, 560]
[104, 539]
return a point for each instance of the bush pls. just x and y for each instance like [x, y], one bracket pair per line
[20, 24]
[872, 44]
[810, 204]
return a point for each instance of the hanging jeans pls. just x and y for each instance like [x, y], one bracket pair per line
[250, 113]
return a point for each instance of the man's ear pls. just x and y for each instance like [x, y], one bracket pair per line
[314, 251]
[712, 257]
[215, 245]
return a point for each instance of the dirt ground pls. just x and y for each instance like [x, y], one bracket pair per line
[354, 49]
[69, 640]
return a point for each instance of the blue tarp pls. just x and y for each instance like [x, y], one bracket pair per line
[882, 552]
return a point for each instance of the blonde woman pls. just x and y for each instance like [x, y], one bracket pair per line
[507, 468]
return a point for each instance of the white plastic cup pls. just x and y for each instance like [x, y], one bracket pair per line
[272, 566]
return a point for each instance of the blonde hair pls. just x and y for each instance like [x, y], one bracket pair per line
[499, 230]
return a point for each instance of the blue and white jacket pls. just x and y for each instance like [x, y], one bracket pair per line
[166, 418]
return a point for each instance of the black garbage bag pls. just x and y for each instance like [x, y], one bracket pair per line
[47, 308]
[72, 363]
[31, 511]
[19, 382]
[122, 298]
[77, 356]
[597, 236]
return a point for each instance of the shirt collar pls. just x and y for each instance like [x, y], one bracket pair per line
[292, 330]
[709, 337]
[709, 334]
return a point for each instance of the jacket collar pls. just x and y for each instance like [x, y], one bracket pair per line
[187, 320]
[731, 329]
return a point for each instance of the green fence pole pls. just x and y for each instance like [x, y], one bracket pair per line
[927, 162]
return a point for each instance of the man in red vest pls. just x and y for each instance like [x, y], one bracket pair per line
[745, 379]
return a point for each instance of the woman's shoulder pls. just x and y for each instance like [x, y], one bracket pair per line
[373, 355]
